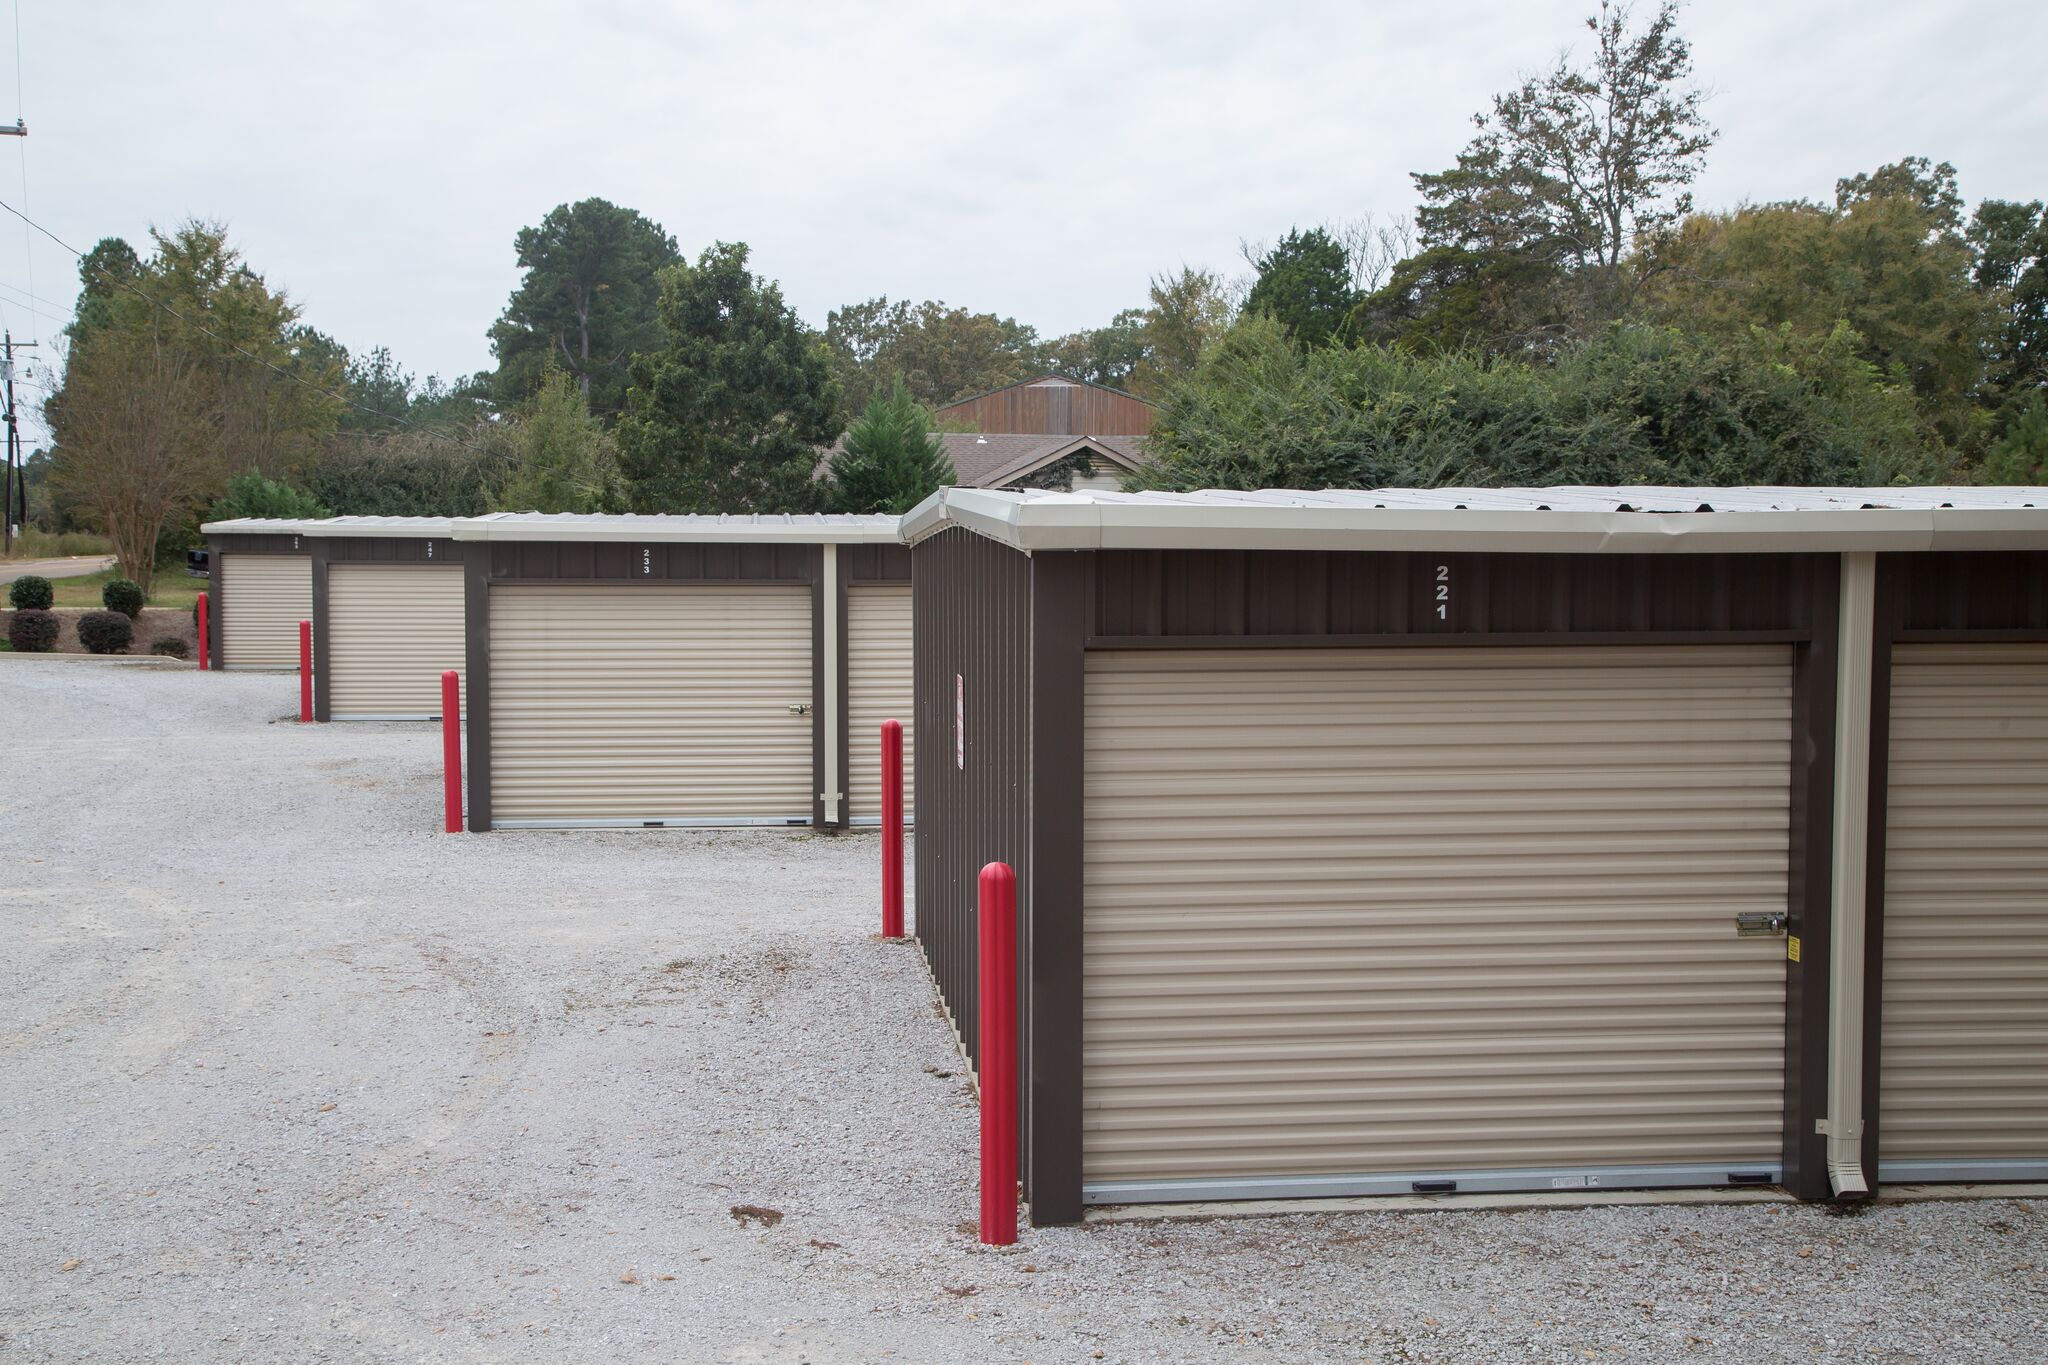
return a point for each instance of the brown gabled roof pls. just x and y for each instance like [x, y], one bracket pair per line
[991, 460]
[994, 459]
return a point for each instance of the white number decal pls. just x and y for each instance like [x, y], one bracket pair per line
[646, 562]
[430, 549]
[1443, 592]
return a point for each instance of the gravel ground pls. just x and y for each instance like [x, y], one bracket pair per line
[287, 1075]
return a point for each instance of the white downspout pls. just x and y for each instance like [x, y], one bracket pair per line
[830, 701]
[1853, 660]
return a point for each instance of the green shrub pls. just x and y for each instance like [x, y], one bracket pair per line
[171, 646]
[105, 632]
[30, 593]
[125, 596]
[33, 631]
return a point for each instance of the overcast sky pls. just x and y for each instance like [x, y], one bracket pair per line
[1040, 160]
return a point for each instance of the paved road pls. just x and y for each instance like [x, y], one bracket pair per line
[76, 566]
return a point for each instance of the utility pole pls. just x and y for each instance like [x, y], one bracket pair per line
[7, 502]
[13, 513]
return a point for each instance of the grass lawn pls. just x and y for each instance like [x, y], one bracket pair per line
[174, 589]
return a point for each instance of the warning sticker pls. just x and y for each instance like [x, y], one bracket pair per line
[1792, 947]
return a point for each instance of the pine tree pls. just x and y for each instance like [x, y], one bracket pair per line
[890, 460]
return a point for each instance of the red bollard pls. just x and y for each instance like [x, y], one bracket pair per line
[451, 751]
[892, 829]
[202, 632]
[998, 1059]
[305, 672]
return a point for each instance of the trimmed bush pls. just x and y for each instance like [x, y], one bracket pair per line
[33, 631]
[105, 632]
[125, 596]
[170, 646]
[30, 593]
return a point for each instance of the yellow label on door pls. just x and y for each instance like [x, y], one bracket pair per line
[1792, 947]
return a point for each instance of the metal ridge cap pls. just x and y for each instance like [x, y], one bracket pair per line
[660, 529]
[398, 528]
[257, 526]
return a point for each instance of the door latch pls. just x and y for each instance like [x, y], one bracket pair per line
[1760, 924]
[802, 708]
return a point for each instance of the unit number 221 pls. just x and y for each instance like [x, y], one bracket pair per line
[1443, 592]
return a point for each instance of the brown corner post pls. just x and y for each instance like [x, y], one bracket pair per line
[323, 682]
[1810, 892]
[1052, 918]
[476, 662]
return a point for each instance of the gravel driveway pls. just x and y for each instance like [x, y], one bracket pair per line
[287, 1075]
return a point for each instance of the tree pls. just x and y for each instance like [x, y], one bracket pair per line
[239, 366]
[1101, 355]
[1305, 285]
[1527, 240]
[2020, 456]
[1886, 260]
[249, 494]
[139, 439]
[889, 460]
[2009, 242]
[942, 353]
[1633, 404]
[1188, 311]
[729, 414]
[587, 302]
[563, 457]
[444, 470]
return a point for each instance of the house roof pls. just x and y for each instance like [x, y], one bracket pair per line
[993, 459]
[1048, 379]
[762, 527]
[1552, 520]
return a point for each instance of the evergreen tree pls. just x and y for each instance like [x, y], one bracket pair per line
[890, 461]
[564, 459]
[729, 414]
[1305, 285]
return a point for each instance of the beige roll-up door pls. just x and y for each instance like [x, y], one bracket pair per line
[262, 600]
[392, 630]
[650, 705]
[1964, 1074]
[1355, 919]
[877, 689]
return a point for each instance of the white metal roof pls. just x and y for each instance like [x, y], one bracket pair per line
[782, 528]
[413, 527]
[1554, 520]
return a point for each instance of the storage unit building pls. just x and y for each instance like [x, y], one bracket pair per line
[649, 671]
[387, 616]
[1468, 839]
[260, 588]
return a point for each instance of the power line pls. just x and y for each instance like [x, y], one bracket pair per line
[234, 346]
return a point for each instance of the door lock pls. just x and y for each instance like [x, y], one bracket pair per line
[802, 708]
[1760, 924]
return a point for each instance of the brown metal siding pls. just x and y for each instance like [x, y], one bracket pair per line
[1961, 591]
[1196, 594]
[874, 563]
[569, 561]
[970, 619]
[1032, 409]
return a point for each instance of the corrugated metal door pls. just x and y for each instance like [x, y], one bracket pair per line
[1965, 1046]
[262, 600]
[650, 704]
[392, 630]
[877, 689]
[1356, 919]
